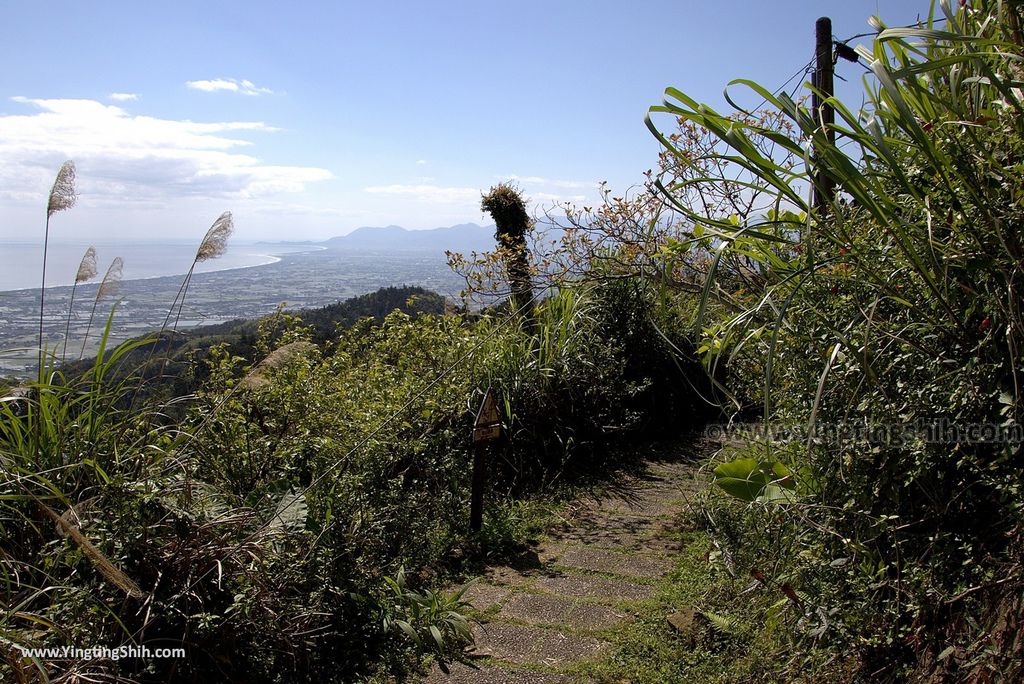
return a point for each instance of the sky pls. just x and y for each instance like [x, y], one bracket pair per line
[310, 119]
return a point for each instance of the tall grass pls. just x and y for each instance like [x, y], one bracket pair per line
[62, 197]
[62, 448]
[108, 288]
[904, 165]
[65, 441]
[212, 246]
[86, 272]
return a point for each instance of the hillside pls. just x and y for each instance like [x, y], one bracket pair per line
[170, 367]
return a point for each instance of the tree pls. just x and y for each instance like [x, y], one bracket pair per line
[506, 206]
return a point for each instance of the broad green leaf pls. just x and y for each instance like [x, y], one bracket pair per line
[752, 480]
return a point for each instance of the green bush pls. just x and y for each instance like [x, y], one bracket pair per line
[896, 304]
[292, 489]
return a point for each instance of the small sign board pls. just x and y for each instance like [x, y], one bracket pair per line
[487, 426]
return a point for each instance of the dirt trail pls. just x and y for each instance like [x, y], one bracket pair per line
[545, 619]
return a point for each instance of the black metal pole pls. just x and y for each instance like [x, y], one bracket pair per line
[824, 115]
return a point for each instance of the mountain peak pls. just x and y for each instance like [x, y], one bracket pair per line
[463, 237]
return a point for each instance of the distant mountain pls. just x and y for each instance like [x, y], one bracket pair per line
[465, 237]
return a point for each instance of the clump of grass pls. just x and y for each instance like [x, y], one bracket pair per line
[103, 565]
[276, 359]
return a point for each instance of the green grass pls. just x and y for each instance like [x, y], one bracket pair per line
[731, 646]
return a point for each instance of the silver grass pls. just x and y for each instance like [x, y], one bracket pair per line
[86, 272]
[111, 280]
[87, 268]
[62, 195]
[108, 286]
[214, 244]
[276, 359]
[216, 241]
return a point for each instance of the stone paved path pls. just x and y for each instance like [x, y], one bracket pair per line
[542, 620]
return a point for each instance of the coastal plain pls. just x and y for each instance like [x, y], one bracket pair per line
[299, 280]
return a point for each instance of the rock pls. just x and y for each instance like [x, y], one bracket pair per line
[684, 621]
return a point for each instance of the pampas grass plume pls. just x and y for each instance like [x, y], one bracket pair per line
[62, 195]
[215, 243]
[87, 267]
[108, 286]
[86, 272]
[111, 280]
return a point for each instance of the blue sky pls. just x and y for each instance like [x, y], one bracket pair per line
[310, 119]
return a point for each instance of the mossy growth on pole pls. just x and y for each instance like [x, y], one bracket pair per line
[506, 206]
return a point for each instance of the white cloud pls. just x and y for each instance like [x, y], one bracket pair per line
[545, 193]
[468, 199]
[123, 97]
[231, 85]
[548, 198]
[123, 157]
[574, 185]
[562, 184]
[429, 193]
[421, 162]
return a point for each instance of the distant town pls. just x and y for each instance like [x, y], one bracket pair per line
[350, 265]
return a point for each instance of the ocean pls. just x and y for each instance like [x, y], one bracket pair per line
[21, 262]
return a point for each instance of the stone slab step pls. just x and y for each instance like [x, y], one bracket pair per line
[519, 644]
[635, 542]
[594, 588]
[483, 596]
[464, 674]
[601, 560]
[542, 609]
[506, 576]
[677, 473]
[620, 521]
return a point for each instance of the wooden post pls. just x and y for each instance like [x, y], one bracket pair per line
[486, 429]
[824, 115]
[476, 501]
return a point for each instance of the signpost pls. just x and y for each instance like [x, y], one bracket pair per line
[486, 429]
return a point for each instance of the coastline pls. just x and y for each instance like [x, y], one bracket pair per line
[313, 277]
[270, 258]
